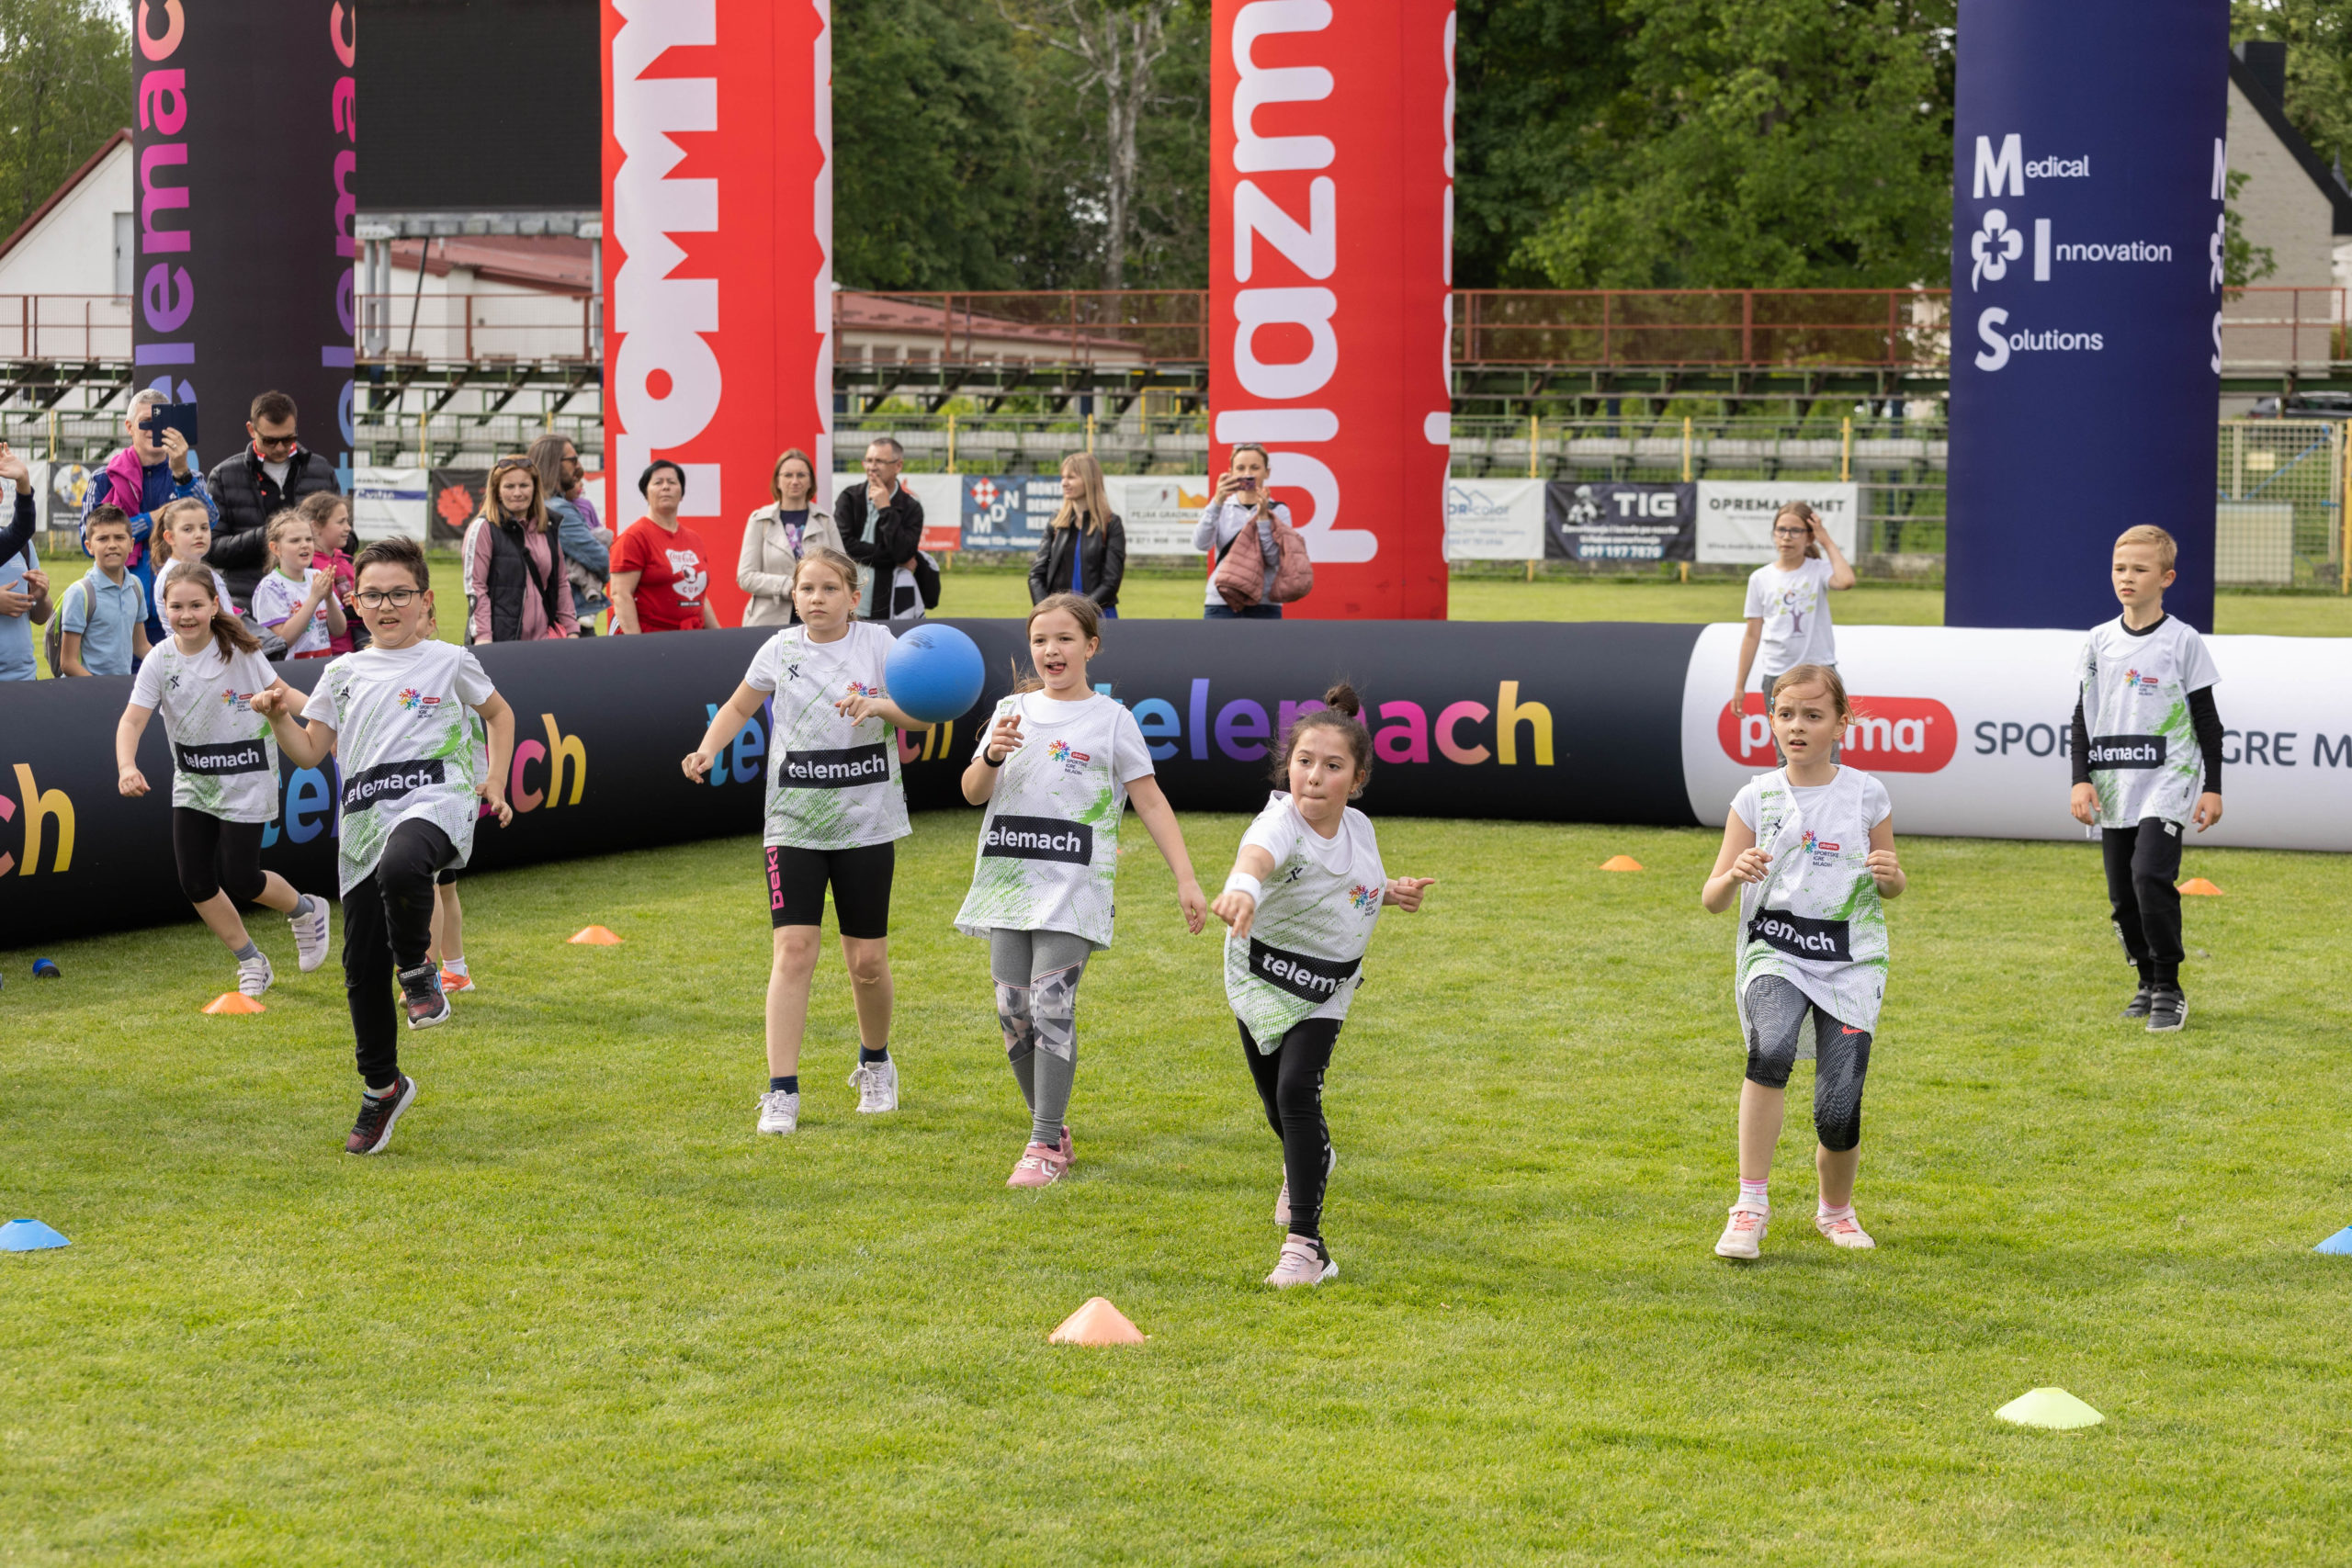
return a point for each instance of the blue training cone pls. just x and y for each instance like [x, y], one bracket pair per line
[2340, 1243]
[28, 1236]
[45, 969]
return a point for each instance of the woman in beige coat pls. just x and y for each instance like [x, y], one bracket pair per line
[777, 536]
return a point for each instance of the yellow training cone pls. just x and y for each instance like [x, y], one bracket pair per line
[2053, 1407]
[234, 1001]
[1621, 862]
[2196, 887]
[594, 936]
[1096, 1323]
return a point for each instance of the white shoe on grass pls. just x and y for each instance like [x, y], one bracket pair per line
[255, 976]
[1743, 1232]
[1845, 1230]
[779, 1111]
[1304, 1262]
[309, 923]
[878, 1086]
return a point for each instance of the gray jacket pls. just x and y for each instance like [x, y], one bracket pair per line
[764, 569]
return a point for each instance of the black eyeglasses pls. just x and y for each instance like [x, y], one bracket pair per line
[377, 598]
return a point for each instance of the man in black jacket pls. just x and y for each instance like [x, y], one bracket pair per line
[274, 471]
[881, 525]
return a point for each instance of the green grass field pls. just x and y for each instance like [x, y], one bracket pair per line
[580, 1313]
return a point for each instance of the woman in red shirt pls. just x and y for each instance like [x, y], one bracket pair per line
[661, 571]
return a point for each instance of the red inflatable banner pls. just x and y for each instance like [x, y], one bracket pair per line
[1331, 246]
[718, 227]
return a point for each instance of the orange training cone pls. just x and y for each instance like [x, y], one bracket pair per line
[594, 936]
[2196, 887]
[1096, 1323]
[234, 1001]
[1621, 862]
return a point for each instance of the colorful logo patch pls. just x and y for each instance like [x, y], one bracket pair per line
[1060, 751]
[416, 701]
[1362, 897]
[860, 689]
[2133, 678]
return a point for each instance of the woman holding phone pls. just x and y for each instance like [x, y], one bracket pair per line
[1242, 506]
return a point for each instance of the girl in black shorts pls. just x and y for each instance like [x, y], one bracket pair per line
[835, 812]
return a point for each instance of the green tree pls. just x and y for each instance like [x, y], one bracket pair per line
[1766, 144]
[2318, 36]
[64, 88]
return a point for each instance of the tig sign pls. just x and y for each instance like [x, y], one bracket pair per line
[720, 355]
[1331, 247]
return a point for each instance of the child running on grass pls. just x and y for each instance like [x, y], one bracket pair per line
[1788, 602]
[225, 767]
[1809, 853]
[1055, 770]
[836, 811]
[2145, 732]
[297, 600]
[1307, 888]
[394, 714]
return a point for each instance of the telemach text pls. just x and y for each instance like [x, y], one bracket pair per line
[843, 768]
[1038, 837]
[1313, 979]
[1800, 936]
[2128, 752]
[230, 757]
[391, 781]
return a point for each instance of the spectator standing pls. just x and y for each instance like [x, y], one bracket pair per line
[329, 516]
[587, 549]
[140, 479]
[661, 571]
[17, 563]
[1242, 503]
[881, 526]
[516, 589]
[777, 536]
[1084, 550]
[297, 602]
[102, 617]
[1788, 602]
[274, 472]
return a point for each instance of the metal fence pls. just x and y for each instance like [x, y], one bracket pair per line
[2279, 518]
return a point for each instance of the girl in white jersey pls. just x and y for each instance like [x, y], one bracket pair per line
[1307, 888]
[835, 813]
[1808, 853]
[1788, 602]
[395, 716]
[203, 679]
[1055, 770]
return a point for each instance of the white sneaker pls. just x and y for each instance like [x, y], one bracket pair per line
[1846, 1230]
[253, 975]
[779, 1111]
[1303, 1263]
[1744, 1233]
[309, 923]
[878, 1086]
[1282, 1199]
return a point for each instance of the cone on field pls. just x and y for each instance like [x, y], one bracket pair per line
[28, 1236]
[594, 936]
[2196, 887]
[234, 1001]
[2051, 1408]
[2339, 1244]
[1621, 862]
[1096, 1323]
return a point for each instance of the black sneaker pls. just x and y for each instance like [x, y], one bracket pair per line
[377, 1117]
[421, 994]
[2137, 1007]
[2168, 1010]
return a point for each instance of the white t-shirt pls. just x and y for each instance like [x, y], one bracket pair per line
[277, 471]
[1817, 919]
[403, 744]
[1049, 842]
[277, 596]
[224, 760]
[2144, 757]
[220, 589]
[832, 782]
[1795, 608]
[1303, 955]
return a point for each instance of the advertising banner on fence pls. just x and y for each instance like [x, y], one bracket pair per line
[1159, 513]
[388, 503]
[1494, 520]
[1607, 521]
[1735, 516]
[453, 499]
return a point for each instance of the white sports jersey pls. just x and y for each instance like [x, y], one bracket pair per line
[1049, 842]
[1815, 919]
[832, 782]
[404, 743]
[2144, 757]
[224, 760]
[1795, 608]
[276, 597]
[1303, 955]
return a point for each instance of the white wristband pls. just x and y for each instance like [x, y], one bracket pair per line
[1242, 881]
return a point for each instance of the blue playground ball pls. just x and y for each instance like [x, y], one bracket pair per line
[934, 673]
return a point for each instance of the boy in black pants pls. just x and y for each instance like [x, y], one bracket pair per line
[2145, 732]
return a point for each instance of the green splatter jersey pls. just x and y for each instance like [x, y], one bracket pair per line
[1815, 920]
[224, 761]
[1049, 844]
[1303, 955]
[832, 782]
[2144, 757]
[404, 745]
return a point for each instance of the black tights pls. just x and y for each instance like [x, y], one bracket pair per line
[214, 856]
[2142, 863]
[387, 926]
[1290, 1082]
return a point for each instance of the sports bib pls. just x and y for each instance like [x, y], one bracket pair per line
[1817, 919]
[832, 781]
[1048, 854]
[1303, 955]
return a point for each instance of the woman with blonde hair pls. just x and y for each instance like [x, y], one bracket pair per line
[517, 587]
[1085, 548]
[778, 537]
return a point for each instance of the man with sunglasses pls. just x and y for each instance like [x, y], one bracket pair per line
[273, 472]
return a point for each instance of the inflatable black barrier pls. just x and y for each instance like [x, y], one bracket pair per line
[1536, 722]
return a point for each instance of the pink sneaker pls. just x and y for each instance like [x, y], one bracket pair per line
[1743, 1232]
[1845, 1230]
[1039, 1167]
[1303, 1263]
